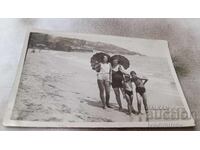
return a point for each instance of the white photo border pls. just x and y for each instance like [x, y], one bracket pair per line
[18, 123]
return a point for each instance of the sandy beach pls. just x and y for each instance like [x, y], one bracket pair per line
[61, 86]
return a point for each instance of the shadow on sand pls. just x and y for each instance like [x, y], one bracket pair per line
[99, 105]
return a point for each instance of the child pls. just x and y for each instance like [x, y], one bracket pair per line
[128, 91]
[140, 89]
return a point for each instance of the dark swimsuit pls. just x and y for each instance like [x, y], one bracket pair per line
[117, 78]
[129, 93]
[140, 90]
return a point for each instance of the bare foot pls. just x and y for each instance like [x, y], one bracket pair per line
[108, 105]
[130, 114]
[134, 112]
[120, 108]
[139, 113]
[147, 116]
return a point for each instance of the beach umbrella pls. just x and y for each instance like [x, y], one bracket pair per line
[96, 59]
[99, 57]
[122, 60]
[96, 67]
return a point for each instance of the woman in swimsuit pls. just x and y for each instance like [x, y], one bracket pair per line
[104, 80]
[117, 78]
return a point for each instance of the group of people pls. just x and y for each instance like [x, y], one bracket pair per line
[113, 74]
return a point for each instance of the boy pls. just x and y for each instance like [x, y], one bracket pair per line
[128, 91]
[140, 90]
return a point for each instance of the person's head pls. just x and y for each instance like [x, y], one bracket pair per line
[115, 62]
[127, 77]
[105, 59]
[133, 74]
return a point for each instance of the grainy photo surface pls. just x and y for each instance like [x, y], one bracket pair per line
[81, 80]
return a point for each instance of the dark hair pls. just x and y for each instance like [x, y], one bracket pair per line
[127, 76]
[111, 61]
[107, 58]
[116, 59]
[133, 72]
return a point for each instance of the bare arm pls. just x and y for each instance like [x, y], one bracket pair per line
[97, 67]
[121, 68]
[144, 79]
[110, 74]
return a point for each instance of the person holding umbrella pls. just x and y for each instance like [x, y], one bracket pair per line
[100, 63]
[119, 63]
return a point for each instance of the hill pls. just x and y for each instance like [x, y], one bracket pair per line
[45, 41]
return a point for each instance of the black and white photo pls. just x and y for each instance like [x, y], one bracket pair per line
[88, 80]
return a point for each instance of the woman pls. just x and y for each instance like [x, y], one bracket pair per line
[103, 80]
[117, 78]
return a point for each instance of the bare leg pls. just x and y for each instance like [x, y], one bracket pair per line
[101, 92]
[123, 93]
[144, 97]
[138, 103]
[128, 104]
[117, 94]
[107, 89]
[145, 105]
[131, 98]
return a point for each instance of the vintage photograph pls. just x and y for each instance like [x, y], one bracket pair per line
[88, 80]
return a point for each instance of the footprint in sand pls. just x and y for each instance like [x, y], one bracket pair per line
[63, 109]
[76, 92]
[52, 119]
[51, 86]
[80, 117]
